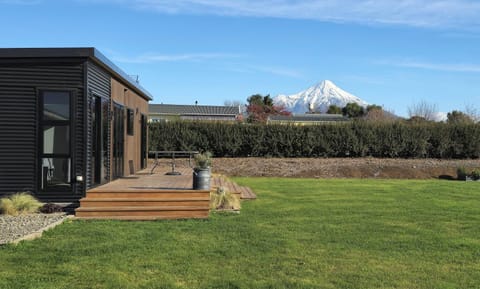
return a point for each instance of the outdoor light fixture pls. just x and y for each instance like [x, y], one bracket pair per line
[79, 179]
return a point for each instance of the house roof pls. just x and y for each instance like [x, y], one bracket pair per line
[83, 52]
[308, 117]
[177, 109]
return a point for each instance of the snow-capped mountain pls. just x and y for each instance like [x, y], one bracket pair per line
[317, 98]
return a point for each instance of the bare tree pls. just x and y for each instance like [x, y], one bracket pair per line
[423, 109]
[236, 103]
[472, 112]
[379, 114]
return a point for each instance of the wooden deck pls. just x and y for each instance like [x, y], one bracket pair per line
[147, 196]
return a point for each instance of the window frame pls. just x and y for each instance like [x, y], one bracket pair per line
[42, 123]
[130, 121]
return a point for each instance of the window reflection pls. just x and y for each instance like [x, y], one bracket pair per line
[56, 139]
[56, 105]
[56, 174]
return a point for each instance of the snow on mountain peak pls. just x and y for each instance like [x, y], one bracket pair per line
[317, 98]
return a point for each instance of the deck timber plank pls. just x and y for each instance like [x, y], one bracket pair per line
[146, 196]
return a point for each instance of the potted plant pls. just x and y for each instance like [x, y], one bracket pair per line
[201, 171]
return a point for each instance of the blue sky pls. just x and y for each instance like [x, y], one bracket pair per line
[393, 53]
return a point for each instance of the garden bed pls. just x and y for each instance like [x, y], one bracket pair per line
[342, 167]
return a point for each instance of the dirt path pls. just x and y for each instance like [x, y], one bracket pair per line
[341, 167]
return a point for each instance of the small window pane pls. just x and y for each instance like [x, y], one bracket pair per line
[130, 117]
[56, 174]
[56, 139]
[56, 105]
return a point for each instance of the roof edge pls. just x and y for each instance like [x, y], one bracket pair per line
[77, 52]
[109, 65]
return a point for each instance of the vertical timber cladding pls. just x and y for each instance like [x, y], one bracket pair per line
[19, 84]
[130, 100]
[98, 85]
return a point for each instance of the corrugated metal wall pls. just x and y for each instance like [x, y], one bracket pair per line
[98, 84]
[17, 137]
[19, 82]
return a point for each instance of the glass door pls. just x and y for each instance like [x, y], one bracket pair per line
[143, 142]
[118, 140]
[100, 142]
[55, 141]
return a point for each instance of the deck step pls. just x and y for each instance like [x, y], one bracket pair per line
[151, 211]
[132, 202]
[139, 218]
[144, 208]
[244, 193]
[163, 194]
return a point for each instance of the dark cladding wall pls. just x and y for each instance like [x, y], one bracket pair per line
[98, 85]
[17, 136]
[19, 82]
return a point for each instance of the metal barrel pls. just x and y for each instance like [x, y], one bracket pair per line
[201, 179]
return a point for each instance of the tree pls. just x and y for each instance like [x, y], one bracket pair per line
[377, 113]
[373, 107]
[256, 99]
[353, 110]
[416, 119]
[267, 100]
[260, 107]
[423, 109]
[333, 109]
[456, 117]
[236, 103]
[472, 112]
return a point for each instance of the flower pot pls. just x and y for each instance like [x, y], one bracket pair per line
[201, 178]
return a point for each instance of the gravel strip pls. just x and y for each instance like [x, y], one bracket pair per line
[13, 228]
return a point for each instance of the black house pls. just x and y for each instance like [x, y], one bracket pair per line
[70, 120]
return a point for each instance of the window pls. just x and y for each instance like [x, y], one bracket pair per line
[100, 161]
[56, 139]
[56, 105]
[55, 133]
[130, 122]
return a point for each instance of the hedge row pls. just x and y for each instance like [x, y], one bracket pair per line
[353, 139]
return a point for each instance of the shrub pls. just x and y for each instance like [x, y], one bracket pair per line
[19, 203]
[223, 200]
[51, 208]
[461, 173]
[346, 139]
[476, 174]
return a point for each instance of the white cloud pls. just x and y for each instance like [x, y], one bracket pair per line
[440, 116]
[192, 57]
[420, 13]
[265, 69]
[199, 57]
[281, 71]
[20, 2]
[448, 67]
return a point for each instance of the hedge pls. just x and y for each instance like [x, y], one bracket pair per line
[353, 139]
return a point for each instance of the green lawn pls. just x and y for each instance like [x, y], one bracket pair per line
[300, 233]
